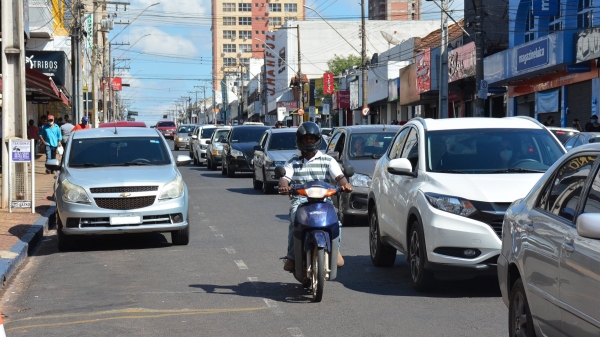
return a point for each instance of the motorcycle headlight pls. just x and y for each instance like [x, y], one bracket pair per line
[450, 204]
[360, 180]
[236, 153]
[74, 193]
[173, 189]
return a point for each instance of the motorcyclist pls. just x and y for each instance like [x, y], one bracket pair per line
[309, 165]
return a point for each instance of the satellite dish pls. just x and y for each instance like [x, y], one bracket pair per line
[389, 38]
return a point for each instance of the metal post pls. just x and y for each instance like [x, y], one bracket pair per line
[365, 81]
[94, 64]
[479, 44]
[443, 99]
[13, 86]
[300, 81]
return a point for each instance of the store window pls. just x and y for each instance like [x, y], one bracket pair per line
[556, 22]
[530, 26]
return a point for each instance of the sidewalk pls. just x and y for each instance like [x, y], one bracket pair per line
[21, 230]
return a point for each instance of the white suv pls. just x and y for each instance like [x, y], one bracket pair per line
[440, 192]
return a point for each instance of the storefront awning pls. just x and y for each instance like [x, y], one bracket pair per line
[46, 88]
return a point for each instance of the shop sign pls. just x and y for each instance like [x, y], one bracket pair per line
[270, 61]
[551, 81]
[545, 7]
[289, 105]
[341, 99]
[423, 61]
[117, 84]
[354, 95]
[587, 44]
[533, 55]
[50, 63]
[461, 62]
[328, 84]
[580, 67]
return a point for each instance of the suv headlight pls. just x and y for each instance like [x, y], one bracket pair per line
[450, 204]
[203, 147]
[237, 153]
[74, 193]
[360, 180]
[173, 189]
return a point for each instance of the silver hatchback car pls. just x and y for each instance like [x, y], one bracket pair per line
[122, 180]
[549, 267]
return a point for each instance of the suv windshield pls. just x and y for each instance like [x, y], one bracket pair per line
[206, 133]
[94, 152]
[221, 135]
[491, 150]
[163, 124]
[247, 134]
[369, 145]
[185, 129]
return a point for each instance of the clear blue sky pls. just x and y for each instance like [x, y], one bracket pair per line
[176, 55]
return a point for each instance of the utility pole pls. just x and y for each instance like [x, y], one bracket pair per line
[443, 99]
[300, 79]
[13, 85]
[479, 44]
[195, 105]
[76, 102]
[204, 119]
[365, 81]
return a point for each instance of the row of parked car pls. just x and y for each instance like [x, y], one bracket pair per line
[459, 198]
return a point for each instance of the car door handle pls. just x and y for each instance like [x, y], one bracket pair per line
[568, 247]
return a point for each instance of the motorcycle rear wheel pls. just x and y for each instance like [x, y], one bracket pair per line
[318, 274]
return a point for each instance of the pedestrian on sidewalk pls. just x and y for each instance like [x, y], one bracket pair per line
[33, 133]
[83, 125]
[66, 130]
[50, 136]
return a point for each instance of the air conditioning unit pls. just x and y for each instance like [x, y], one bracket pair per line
[267, 12]
[223, 54]
[233, 39]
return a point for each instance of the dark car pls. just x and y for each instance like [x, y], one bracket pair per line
[581, 138]
[375, 140]
[563, 134]
[121, 124]
[238, 148]
[167, 128]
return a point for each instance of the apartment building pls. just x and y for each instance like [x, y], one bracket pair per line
[239, 28]
[394, 10]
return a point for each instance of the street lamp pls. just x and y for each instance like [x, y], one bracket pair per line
[136, 41]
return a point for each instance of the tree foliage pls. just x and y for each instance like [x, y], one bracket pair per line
[340, 63]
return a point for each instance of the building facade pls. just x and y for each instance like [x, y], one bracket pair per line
[394, 10]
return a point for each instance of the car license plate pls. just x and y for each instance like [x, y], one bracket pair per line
[125, 219]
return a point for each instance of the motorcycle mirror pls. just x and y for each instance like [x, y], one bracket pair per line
[349, 171]
[279, 172]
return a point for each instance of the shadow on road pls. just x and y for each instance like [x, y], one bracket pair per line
[276, 291]
[109, 242]
[214, 175]
[359, 274]
[285, 217]
[247, 191]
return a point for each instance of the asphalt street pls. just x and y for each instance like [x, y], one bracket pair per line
[229, 281]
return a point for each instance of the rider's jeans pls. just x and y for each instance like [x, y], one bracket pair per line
[295, 203]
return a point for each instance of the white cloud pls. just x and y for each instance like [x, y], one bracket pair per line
[160, 42]
[193, 7]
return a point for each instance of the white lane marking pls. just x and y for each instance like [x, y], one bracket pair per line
[252, 279]
[196, 207]
[201, 213]
[219, 235]
[241, 264]
[230, 250]
[205, 220]
[273, 306]
[213, 228]
[295, 332]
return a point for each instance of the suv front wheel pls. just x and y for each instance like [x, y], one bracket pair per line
[417, 255]
[381, 255]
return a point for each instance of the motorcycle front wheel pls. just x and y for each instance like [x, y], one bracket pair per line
[318, 274]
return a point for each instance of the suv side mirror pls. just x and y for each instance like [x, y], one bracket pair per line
[401, 166]
[208, 141]
[258, 148]
[194, 136]
[335, 155]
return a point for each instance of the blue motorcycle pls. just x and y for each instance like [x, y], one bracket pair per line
[316, 234]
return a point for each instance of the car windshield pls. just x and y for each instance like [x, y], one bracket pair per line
[325, 132]
[491, 150]
[163, 124]
[369, 145]
[185, 129]
[283, 141]
[247, 134]
[563, 135]
[123, 151]
[206, 133]
[221, 135]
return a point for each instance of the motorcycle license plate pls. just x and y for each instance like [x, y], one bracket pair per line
[125, 219]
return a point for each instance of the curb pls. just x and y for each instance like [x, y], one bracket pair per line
[25, 246]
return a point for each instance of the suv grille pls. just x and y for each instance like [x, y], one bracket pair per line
[497, 227]
[121, 189]
[125, 203]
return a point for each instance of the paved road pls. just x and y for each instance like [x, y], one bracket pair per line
[229, 282]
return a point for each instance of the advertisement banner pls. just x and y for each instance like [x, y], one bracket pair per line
[393, 86]
[341, 99]
[533, 55]
[328, 84]
[117, 84]
[270, 62]
[587, 44]
[547, 101]
[546, 7]
[50, 63]
[461, 62]
[289, 105]
[552, 81]
[423, 61]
